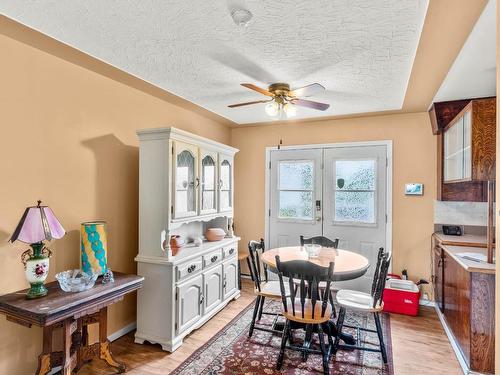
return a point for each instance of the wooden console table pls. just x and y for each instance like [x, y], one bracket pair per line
[73, 312]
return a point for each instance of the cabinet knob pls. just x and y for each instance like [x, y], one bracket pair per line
[191, 268]
[214, 258]
[202, 298]
[231, 251]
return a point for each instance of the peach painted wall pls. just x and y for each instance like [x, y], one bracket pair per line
[414, 160]
[68, 138]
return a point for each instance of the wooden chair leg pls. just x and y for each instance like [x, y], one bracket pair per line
[284, 339]
[340, 322]
[261, 308]
[380, 336]
[307, 341]
[239, 275]
[324, 352]
[255, 311]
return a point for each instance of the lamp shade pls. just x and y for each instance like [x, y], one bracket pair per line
[37, 224]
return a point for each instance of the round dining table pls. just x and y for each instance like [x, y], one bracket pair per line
[348, 265]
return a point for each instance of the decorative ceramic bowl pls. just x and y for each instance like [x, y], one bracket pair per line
[312, 250]
[215, 234]
[76, 280]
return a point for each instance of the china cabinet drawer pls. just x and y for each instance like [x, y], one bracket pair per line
[188, 269]
[212, 258]
[230, 251]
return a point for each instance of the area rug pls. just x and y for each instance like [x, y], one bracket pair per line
[231, 351]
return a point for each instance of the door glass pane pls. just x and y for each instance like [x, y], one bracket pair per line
[295, 191]
[354, 189]
[225, 185]
[296, 175]
[355, 174]
[184, 188]
[295, 204]
[207, 183]
[355, 206]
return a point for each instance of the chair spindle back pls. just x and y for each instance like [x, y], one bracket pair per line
[309, 275]
[255, 250]
[378, 293]
[319, 240]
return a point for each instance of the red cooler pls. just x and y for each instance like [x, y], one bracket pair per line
[401, 297]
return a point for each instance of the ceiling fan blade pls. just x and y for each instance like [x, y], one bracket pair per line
[247, 103]
[308, 90]
[310, 104]
[256, 88]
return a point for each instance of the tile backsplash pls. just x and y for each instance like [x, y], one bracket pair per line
[461, 213]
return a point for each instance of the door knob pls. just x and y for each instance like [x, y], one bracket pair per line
[318, 218]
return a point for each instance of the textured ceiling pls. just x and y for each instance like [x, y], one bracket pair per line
[362, 51]
[473, 74]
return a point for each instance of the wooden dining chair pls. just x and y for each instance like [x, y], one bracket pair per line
[264, 288]
[325, 242]
[367, 303]
[306, 307]
[320, 240]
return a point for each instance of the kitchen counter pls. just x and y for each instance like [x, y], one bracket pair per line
[469, 265]
[471, 240]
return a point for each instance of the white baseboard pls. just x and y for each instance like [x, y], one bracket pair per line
[454, 345]
[122, 332]
[426, 302]
[114, 336]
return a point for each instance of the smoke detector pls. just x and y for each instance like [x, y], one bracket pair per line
[241, 16]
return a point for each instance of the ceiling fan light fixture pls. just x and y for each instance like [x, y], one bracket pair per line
[290, 110]
[272, 109]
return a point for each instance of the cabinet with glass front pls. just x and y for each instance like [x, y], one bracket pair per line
[469, 143]
[203, 181]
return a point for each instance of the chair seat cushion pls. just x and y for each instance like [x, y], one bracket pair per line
[271, 289]
[309, 317]
[355, 300]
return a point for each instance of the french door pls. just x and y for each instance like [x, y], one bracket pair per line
[337, 192]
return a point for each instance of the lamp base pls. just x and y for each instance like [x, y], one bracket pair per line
[36, 269]
[37, 290]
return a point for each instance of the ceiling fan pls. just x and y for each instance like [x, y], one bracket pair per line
[283, 100]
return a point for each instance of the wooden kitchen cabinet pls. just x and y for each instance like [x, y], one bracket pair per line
[466, 133]
[469, 143]
[465, 295]
[437, 276]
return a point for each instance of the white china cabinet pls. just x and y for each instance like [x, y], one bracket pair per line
[185, 186]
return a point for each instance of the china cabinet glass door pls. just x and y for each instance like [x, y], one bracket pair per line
[186, 180]
[225, 183]
[208, 184]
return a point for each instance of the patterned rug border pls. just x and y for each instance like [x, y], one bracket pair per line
[214, 337]
[387, 336]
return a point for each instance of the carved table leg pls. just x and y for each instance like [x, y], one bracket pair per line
[44, 364]
[67, 341]
[104, 352]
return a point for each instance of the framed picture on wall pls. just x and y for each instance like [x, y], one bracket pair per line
[414, 188]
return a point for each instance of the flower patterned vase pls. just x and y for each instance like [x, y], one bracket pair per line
[36, 269]
[94, 247]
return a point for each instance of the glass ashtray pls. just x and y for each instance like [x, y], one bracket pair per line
[312, 250]
[76, 280]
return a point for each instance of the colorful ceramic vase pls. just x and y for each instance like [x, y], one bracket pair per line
[94, 247]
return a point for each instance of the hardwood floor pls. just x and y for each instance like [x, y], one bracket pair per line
[420, 345]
